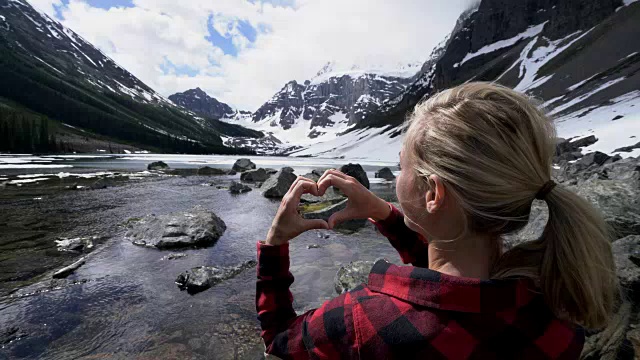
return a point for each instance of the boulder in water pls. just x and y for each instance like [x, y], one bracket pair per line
[201, 278]
[157, 165]
[243, 165]
[68, 270]
[385, 173]
[258, 175]
[238, 188]
[75, 244]
[287, 169]
[270, 171]
[356, 171]
[278, 185]
[352, 275]
[195, 228]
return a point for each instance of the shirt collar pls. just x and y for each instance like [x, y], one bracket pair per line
[425, 287]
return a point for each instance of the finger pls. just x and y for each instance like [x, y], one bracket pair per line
[315, 224]
[302, 187]
[340, 217]
[333, 180]
[295, 183]
[333, 172]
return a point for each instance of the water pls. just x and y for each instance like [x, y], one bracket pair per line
[123, 302]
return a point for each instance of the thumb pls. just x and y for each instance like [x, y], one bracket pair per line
[315, 224]
[340, 217]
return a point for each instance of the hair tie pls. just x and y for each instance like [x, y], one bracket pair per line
[545, 189]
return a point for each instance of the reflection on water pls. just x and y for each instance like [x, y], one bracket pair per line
[128, 305]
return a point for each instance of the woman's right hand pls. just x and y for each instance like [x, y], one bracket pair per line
[361, 204]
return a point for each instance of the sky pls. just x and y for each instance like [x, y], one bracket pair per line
[243, 51]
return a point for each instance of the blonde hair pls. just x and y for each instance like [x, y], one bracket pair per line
[493, 147]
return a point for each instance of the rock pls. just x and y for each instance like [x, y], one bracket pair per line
[209, 171]
[625, 250]
[324, 214]
[628, 148]
[243, 165]
[278, 185]
[356, 171]
[201, 278]
[385, 173]
[195, 228]
[11, 334]
[330, 195]
[157, 165]
[352, 275]
[564, 146]
[314, 246]
[597, 158]
[312, 176]
[238, 188]
[287, 169]
[258, 175]
[68, 270]
[270, 171]
[100, 184]
[174, 256]
[75, 244]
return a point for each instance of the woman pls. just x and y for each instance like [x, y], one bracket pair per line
[474, 158]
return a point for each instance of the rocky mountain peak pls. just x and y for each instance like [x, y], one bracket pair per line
[198, 101]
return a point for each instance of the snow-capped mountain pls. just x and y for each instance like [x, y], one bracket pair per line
[202, 104]
[49, 69]
[323, 108]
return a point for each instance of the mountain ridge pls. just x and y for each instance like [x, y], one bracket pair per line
[51, 70]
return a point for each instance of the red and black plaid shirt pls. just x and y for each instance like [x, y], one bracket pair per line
[410, 312]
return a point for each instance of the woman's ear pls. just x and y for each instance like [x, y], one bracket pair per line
[435, 195]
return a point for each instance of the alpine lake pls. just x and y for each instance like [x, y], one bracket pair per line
[123, 303]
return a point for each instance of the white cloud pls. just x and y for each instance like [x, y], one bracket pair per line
[299, 40]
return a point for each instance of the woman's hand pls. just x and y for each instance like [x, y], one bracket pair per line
[362, 203]
[288, 223]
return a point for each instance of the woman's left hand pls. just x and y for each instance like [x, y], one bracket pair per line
[288, 223]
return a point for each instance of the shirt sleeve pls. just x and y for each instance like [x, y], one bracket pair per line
[324, 333]
[411, 246]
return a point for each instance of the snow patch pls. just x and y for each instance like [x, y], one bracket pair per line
[531, 62]
[530, 32]
[611, 134]
[583, 97]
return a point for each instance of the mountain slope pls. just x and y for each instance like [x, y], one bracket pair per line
[579, 59]
[53, 71]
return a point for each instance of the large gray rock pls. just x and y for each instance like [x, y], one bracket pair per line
[238, 188]
[385, 173]
[356, 171]
[330, 195]
[278, 185]
[626, 252]
[157, 165]
[243, 165]
[352, 275]
[201, 278]
[325, 214]
[195, 228]
[258, 175]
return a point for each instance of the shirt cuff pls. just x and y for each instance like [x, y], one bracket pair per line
[390, 221]
[273, 260]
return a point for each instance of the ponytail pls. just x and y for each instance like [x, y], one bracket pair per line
[572, 261]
